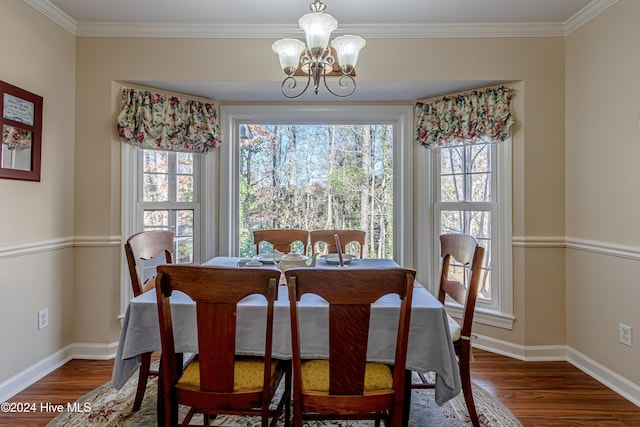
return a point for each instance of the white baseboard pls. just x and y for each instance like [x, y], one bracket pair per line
[606, 376]
[597, 371]
[28, 376]
[521, 352]
[95, 351]
[34, 373]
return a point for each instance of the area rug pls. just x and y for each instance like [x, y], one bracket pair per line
[106, 406]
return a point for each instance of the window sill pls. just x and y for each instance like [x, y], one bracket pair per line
[485, 317]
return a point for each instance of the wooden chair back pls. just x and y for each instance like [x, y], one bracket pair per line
[216, 292]
[142, 247]
[346, 237]
[350, 294]
[281, 239]
[467, 255]
[461, 259]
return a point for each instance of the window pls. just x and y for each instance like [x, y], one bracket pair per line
[316, 177]
[466, 201]
[400, 118]
[168, 199]
[214, 204]
[471, 188]
[163, 190]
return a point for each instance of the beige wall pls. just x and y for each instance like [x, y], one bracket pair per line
[601, 111]
[602, 176]
[38, 56]
[537, 63]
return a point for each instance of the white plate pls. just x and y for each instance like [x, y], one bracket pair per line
[249, 262]
[335, 259]
[264, 258]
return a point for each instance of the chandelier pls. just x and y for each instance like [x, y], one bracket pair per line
[316, 59]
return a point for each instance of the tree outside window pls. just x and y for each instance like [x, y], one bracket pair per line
[318, 177]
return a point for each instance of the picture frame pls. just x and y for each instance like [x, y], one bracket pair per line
[21, 123]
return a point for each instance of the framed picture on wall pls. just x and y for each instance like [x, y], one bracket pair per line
[21, 122]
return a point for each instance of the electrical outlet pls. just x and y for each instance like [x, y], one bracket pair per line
[43, 318]
[624, 334]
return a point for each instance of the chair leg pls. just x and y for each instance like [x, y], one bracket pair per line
[287, 392]
[465, 374]
[297, 414]
[142, 381]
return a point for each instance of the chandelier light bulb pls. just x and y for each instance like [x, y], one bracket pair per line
[289, 51]
[318, 27]
[347, 49]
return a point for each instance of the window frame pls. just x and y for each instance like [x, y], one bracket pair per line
[498, 315]
[491, 206]
[132, 214]
[174, 205]
[232, 116]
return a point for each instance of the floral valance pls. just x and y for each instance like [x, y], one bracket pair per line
[14, 137]
[466, 118]
[162, 122]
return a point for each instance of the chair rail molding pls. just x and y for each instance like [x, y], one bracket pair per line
[604, 248]
[28, 248]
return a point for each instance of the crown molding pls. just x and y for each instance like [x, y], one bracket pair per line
[99, 29]
[589, 12]
[54, 13]
[115, 29]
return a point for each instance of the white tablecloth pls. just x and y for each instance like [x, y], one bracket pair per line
[430, 348]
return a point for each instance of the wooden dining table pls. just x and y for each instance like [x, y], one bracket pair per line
[429, 350]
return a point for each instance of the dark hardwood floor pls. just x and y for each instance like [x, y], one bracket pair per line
[538, 393]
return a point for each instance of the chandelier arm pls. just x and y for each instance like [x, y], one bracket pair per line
[342, 85]
[291, 82]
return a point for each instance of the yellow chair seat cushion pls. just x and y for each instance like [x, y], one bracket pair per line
[248, 374]
[315, 376]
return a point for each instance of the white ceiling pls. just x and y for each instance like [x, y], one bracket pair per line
[278, 18]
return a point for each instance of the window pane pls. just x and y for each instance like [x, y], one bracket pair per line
[156, 188]
[185, 188]
[451, 222]
[184, 250]
[484, 287]
[156, 220]
[185, 163]
[478, 224]
[184, 236]
[451, 160]
[481, 187]
[169, 179]
[185, 223]
[317, 177]
[156, 161]
[452, 188]
[480, 158]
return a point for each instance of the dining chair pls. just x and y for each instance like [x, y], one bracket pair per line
[217, 381]
[347, 386]
[141, 250]
[328, 237]
[281, 239]
[461, 258]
